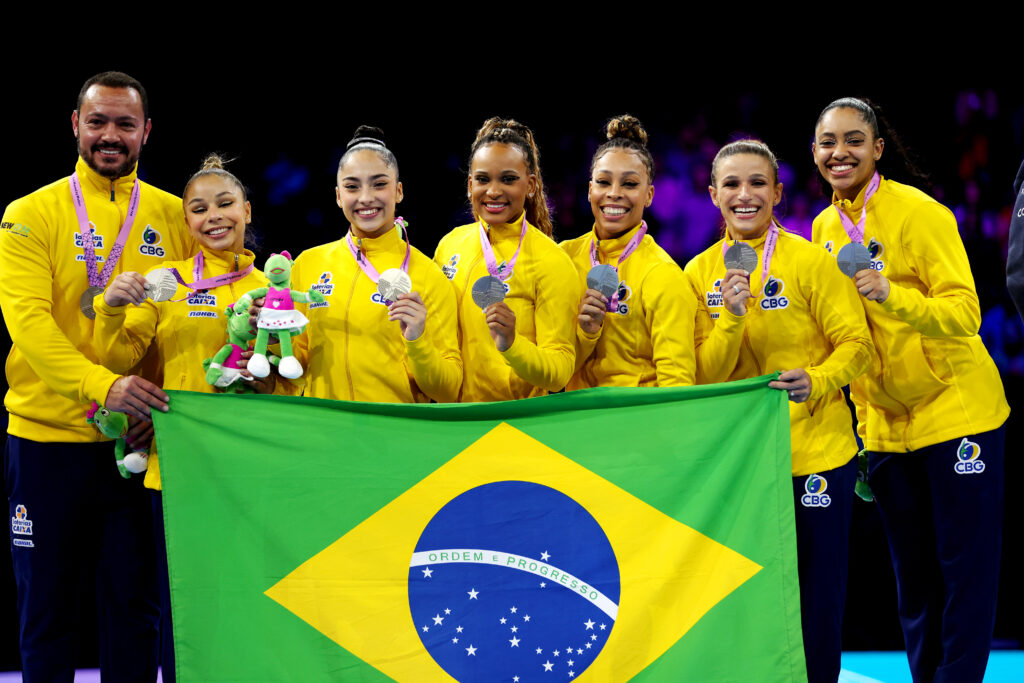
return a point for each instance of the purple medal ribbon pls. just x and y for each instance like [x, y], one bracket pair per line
[856, 232]
[99, 279]
[492, 263]
[613, 302]
[364, 263]
[769, 250]
[211, 282]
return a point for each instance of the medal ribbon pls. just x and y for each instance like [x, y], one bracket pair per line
[211, 282]
[769, 250]
[613, 302]
[364, 263]
[856, 232]
[492, 263]
[100, 279]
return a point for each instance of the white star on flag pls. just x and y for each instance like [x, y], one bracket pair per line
[513, 610]
[545, 555]
[547, 666]
[471, 651]
[427, 571]
[438, 619]
[502, 620]
[514, 641]
[473, 593]
[526, 618]
[589, 623]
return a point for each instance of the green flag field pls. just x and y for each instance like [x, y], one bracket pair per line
[600, 535]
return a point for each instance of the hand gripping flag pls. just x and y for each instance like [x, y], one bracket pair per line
[600, 535]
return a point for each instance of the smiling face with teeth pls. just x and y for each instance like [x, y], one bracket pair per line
[745, 192]
[845, 151]
[499, 183]
[111, 129]
[217, 213]
[367, 192]
[619, 191]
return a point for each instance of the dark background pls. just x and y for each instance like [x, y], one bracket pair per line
[286, 125]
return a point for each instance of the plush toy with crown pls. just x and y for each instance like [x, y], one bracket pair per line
[115, 425]
[278, 316]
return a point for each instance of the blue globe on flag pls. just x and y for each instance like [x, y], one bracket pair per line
[513, 580]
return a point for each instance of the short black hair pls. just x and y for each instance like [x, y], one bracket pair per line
[115, 79]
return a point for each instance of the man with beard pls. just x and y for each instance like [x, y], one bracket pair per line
[71, 512]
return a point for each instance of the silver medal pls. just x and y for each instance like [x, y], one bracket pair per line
[161, 284]
[393, 282]
[741, 256]
[853, 257]
[85, 303]
[604, 279]
[488, 290]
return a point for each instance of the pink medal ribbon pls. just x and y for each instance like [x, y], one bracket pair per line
[856, 232]
[769, 250]
[492, 263]
[613, 302]
[211, 282]
[99, 279]
[364, 263]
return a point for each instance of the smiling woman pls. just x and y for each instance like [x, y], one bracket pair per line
[785, 307]
[931, 409]
[386, 330]
[640, 331]
[505, 263]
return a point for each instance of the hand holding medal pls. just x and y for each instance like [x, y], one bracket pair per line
[740, 260]
[593, 306]
[126, 288]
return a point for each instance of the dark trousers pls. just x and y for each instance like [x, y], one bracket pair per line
[166, 630]
[72, 515]
[823, 516]
[943, 514]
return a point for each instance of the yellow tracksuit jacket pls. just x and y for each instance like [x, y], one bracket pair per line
[806, 315]
[182, 334]
[648, 343]
[351, 351]
[53, 370]
[933, 380]
[541, 292]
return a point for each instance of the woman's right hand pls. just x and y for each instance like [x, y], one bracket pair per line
[127, 288]
[593, 306]
[736, 290]
[254, 312]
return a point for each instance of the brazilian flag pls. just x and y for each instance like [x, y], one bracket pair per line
[599, 535]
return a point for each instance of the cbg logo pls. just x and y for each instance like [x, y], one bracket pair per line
[816, 496]
[828, 246]
[968, 460]
[624, 293]
[150, 239]
[773, 299]
[876, 250]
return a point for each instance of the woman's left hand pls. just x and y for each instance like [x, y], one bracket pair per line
[872, 285]
[796, 382]
[501, 322]
[411, 314]
[261, 385]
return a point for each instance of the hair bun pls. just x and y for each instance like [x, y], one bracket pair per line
[213, 162]
[627, 127]
[367, 134]
[495, 125]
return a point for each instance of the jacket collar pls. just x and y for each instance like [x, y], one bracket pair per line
[612, 248]
[94, 182]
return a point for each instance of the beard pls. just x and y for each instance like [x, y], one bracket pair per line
[93, 158]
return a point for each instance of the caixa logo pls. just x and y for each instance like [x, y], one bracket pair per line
[150, 243]
[773, 299]
[815, 496]
[968, 460]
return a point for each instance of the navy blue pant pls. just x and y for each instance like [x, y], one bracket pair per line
[166, 631]
[72, 515]
[942, 508]
[824, 508]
